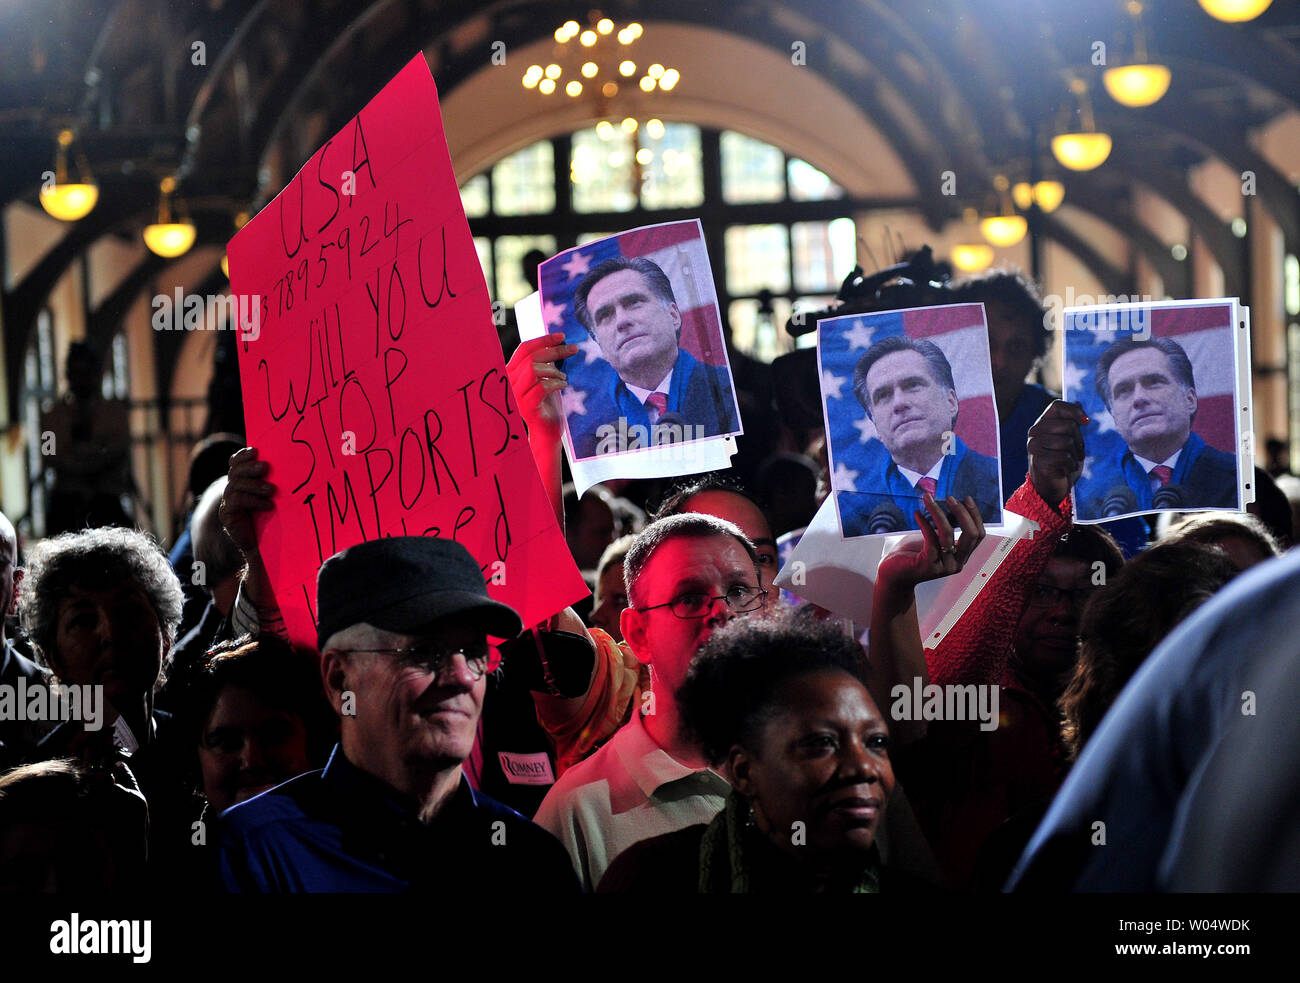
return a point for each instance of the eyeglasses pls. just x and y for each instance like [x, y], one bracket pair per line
[739, 599]
[432, 659]
[1049, 595]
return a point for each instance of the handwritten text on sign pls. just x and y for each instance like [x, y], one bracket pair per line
[375, 384]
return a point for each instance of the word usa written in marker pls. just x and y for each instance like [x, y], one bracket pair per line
[377, 389]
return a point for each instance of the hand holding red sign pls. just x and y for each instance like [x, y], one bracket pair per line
[361, 270]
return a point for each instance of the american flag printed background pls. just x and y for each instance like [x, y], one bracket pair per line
[1206, 333]
[678, 249]
[960, 333]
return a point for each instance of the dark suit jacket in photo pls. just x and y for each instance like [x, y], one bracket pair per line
[1204, 478]
[699, 395]
[885, 494]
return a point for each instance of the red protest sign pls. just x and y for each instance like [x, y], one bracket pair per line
[373, 379]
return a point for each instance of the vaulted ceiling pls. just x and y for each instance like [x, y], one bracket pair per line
[234, 95]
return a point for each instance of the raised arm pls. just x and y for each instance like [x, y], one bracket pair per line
[978, 646]
[533, 377]
[896, 654]
[248, 493]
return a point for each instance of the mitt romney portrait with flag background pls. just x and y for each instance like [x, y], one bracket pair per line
[652, 367]
[908, 397]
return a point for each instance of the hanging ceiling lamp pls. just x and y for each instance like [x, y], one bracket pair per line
[972, 257]
[1137, 85]
[601, 66]
[1143, 82]
[66, 201]
[1084, 149]
[1235, 11]
[168, 238]
[1006, 228]
[1047, 195]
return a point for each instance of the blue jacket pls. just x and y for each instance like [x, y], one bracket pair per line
[963, 473]
[1207, 477]
[698, 394]
[343, 831]
[1150, 765]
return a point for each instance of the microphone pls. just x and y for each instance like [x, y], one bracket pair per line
[1169, 496]
[1120, 500]
[886, 517]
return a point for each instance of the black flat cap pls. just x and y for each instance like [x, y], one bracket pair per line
[404, 584]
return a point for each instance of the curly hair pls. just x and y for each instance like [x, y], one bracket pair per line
[95, 559]
[733, 687]
[1014, 291]
[1124, 623]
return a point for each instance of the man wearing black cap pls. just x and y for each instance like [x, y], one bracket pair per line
[403, 626]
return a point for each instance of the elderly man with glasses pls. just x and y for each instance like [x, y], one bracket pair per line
[686, 575]
[403, 634]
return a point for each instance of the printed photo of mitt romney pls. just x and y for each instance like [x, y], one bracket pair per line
[651, 368]
[908, 398]
[1159, 383]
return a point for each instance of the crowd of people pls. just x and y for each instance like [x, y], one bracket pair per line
[689, 728]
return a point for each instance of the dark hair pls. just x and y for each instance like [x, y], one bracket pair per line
[615, 552]
[210, 459]
[102, 834]
[733, 686]
[654, 275]
[1091, 544]
[269, 668]
[689, 525]
[85, 352]
[1210, 527]
[781, 469]
[1009, 288]
[940, 370]
[677, 495]
[95, 559]
[1123, 624]
[1272, 507]
[573, 504]
[43, 789]
[1178, 360]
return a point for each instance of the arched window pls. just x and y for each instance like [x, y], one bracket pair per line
[780, 232]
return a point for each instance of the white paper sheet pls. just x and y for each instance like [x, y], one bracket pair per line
[1245, 409]
[840, 574]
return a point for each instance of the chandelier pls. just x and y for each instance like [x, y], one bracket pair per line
[600, 61]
